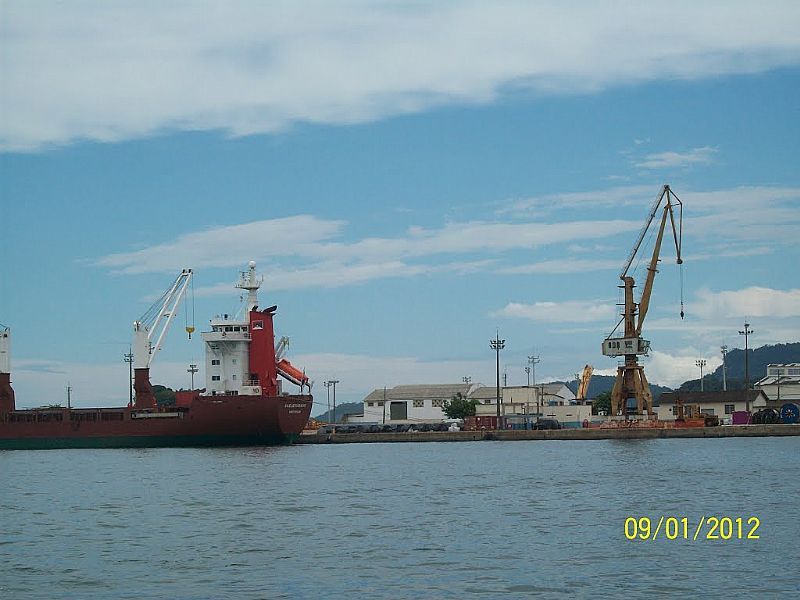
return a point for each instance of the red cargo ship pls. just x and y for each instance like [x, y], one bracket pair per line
[242, 403]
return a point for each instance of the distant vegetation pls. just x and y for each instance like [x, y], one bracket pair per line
[348, 408]
[758, 360]
[164, 396]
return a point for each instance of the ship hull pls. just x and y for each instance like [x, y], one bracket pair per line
[206, 421]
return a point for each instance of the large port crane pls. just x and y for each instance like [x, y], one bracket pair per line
[631, 381]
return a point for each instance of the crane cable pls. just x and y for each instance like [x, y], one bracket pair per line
[681, 271]
[189, 328]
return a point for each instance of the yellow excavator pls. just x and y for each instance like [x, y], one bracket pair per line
[631, 381]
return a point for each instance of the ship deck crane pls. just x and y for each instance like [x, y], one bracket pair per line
[631, 381]
[156, 321]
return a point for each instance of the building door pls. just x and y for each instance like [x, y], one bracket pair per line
[398, 411]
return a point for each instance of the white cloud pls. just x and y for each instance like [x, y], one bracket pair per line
[563, 265]
[228, 246]
[572, 311]
[672, 160]
[317, 258]
[336, 263]
[748, 302]
[672, 370]
[631, 195]
[112, 71]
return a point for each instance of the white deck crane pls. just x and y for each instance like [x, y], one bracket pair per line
[631, 381]
[156, 321]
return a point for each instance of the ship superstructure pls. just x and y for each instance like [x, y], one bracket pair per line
[241, 355]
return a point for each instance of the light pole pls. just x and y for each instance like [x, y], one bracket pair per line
[192, 369]
[466, 379]
[701, 362]
[497, 344]
[724, 350]
[128, 358]
[746, 333]
[533, 360]
[527, 395]
[333, 382]
[327, 385]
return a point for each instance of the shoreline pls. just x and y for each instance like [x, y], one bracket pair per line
[725, 431]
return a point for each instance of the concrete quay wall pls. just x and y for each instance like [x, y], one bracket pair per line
[556, 434]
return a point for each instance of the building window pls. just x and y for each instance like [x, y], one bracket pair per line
[233, 361]
[437, 403]
[419, 403]
[794, 371]
[233, 376]
[370, 404]
[214, 361]
[215, 378]
[729, 409]
[774, 371]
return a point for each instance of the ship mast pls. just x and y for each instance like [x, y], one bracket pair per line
[251, 282]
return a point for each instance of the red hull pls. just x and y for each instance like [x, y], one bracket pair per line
[206, 421]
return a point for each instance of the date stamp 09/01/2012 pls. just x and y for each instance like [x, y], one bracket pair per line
[707, 528]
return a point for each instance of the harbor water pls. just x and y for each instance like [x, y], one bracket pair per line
[416, 520]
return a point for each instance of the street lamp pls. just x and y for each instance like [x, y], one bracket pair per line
[327, 385]
[724, 350]
[746, 333]
[701, 362]
[128, 358]
[497, 344]
[333, 382]
[192, 369]
[533, 360]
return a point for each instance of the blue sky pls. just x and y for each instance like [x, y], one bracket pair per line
[409, 178]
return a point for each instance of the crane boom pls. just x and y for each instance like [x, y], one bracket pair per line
[157, 320]
[652, 269]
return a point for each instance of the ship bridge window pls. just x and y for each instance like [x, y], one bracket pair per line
[215, 378]
[214, 361]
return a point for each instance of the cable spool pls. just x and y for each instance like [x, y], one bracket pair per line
[790, 413]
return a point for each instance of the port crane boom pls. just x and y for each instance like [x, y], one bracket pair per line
[631, 381]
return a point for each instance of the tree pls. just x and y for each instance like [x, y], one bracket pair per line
[164, 395]
[602, 403]
[459, 407]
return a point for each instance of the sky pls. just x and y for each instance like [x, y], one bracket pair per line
[411, 179]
